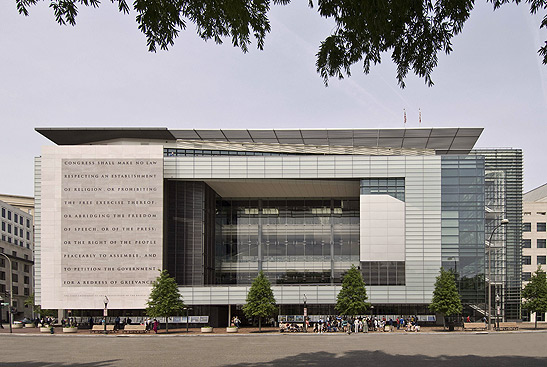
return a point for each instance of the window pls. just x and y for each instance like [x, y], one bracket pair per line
[541, 243]
[542, 260]
[27, 268]
[527, 213]
[2, 262]
[28, 223]
[3, 226]
[28, 236]
[3, 212]
[26, 292]
[21, 233]
[527, 227]
[21, 220]
[14, 253]
[14, 265]
[9, 215]
[541, 227]
[526, 275]
[2, 288]
[526, 243]
[527, 260]
[26, 280]
[2, 275]
[14, 277]
[541, 213]
[9, 239]
[9, 228]
[26, 256]
[15, 290]
[15, 217]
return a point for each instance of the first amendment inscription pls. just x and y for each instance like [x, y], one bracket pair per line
[111, 222]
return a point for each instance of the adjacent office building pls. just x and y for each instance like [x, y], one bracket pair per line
[17, 243]
[215, 207]
[534, 237]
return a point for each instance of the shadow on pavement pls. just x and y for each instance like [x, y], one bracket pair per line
[107, 363]
[377, 358]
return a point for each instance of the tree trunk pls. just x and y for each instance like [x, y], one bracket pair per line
[536, 321]
[259, 324]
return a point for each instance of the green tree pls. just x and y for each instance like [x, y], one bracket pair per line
[535, 294]
[260, 299]
[413, 31]
[446, 299]
[352, 298]
[29, 301]
[165, 299]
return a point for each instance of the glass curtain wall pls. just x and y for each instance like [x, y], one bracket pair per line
[294, 241]
[503, 182]
[462, 227]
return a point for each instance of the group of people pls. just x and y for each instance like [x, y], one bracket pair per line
[152, 324]
[364, 324]
[69, 322]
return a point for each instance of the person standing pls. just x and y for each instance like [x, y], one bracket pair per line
[156, 326]
[117, 323]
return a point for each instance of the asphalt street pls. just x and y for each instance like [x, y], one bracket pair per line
[295, 350]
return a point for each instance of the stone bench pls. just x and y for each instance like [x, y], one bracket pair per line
[135, 329]
[100, 329]
[508, 326]
[474, 326]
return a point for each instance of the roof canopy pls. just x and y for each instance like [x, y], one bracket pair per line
[442, 140]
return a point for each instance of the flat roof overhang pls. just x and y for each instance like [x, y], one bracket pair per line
[443, 140]
[83, 135]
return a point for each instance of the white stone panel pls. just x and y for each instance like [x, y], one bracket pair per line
[382, 228]
[102, 225]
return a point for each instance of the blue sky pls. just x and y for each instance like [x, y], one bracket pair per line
[99, 73]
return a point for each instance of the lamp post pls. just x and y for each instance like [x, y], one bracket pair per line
[305, 299]
[10, 290]
[504, 221]
[497, 310]
[186, 309]
[105, 313]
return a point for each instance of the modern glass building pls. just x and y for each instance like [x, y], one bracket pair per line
[215, 207]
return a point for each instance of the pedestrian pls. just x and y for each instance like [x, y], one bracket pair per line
[117, 323]
[156, 326]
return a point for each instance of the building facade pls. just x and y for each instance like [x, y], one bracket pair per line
[215, 207]
[534, 237]
[17, 243]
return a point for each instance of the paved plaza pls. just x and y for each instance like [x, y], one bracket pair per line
[380, 349]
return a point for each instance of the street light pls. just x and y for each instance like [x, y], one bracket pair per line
[10, 290]
[105, 313]
[504, 221]
[304, 298]
[497, 310]
[187, 308]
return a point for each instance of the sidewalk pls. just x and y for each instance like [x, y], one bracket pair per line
[525, 326]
